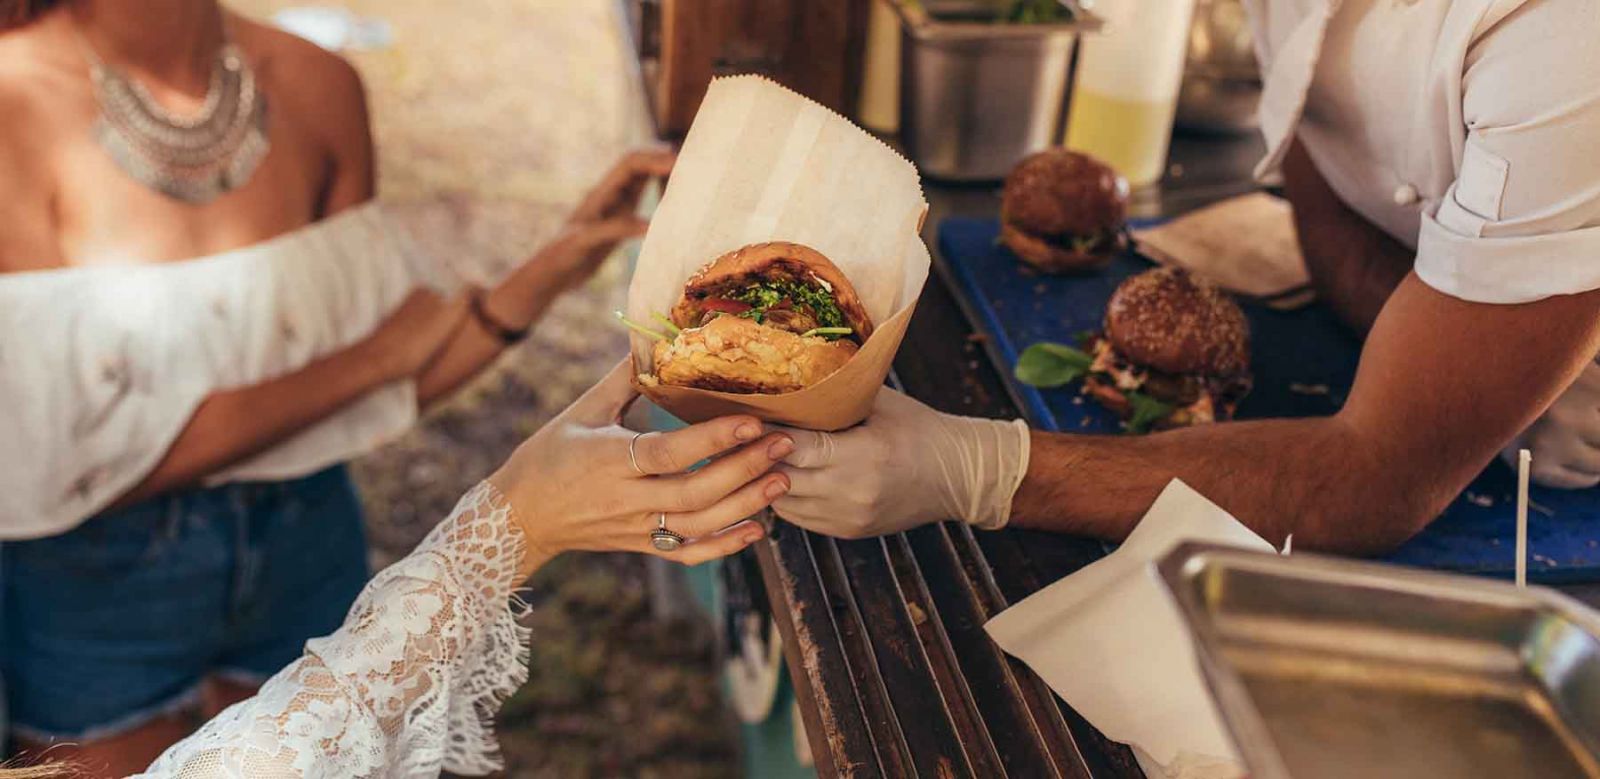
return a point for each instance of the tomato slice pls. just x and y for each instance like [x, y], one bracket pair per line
[725, 306]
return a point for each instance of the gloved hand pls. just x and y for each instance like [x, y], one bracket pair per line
[1565, 441]
[905, 466]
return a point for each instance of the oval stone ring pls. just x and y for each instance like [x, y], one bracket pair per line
[661, 538]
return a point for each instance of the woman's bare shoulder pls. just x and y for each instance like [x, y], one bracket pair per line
[303, 71]
[43, 97]
[316, 90]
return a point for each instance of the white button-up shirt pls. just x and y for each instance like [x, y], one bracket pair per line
[1467, 129]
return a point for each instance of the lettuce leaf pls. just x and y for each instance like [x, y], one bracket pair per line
[1046, 365]
[1146, 412]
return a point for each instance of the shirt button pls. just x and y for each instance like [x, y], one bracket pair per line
[1406, 195]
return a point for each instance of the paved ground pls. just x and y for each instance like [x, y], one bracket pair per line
[491, 117]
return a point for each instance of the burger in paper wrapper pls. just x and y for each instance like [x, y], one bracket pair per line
[768, 318]
[781, 267]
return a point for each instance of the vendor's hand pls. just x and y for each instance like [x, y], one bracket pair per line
[415, 332]
[1566, 441]
[572, 485]
[606, 217]
[905, 466]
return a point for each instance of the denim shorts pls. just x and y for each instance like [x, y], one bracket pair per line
[118, 621]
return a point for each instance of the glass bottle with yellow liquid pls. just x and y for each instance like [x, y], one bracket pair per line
[1127, 88]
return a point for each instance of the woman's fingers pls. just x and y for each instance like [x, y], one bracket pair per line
[663, 453]
[812, 448]
[704, 487]
[719, 544]
[625, 178]
[740, 504]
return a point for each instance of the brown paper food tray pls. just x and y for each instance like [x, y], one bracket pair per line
[834, 403]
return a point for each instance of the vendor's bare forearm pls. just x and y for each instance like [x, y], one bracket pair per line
[1354, 265]
[1443, 384]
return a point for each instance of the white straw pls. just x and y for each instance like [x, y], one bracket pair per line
[1524, 459]
[1288, 544]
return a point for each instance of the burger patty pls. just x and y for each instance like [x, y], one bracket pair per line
[1104, 240]
[1195, 398]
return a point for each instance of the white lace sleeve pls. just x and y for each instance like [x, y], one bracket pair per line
[408, 686]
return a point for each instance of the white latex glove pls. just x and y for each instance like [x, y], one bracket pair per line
[1565, 441]
[906, 465]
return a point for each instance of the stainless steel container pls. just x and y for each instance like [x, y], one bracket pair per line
[1334, 668]
[976, 97]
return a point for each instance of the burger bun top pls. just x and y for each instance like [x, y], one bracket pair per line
[1057, 192]
[1169, 320]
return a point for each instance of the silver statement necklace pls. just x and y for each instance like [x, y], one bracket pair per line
[191, 158]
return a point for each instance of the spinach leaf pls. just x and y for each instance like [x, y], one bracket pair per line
[1146, 411]
[1047, 364]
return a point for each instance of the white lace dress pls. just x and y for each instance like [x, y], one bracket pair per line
[409, 686]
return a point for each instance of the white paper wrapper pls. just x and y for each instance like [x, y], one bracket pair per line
[762, 163]
[1109, 640]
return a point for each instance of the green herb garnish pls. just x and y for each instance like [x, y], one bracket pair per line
[766, 294]
[665, 322]
[640, 329]
[1146, 411]
[826, 331]
[1047, 365]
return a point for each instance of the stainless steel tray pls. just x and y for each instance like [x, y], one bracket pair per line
[1335, 668]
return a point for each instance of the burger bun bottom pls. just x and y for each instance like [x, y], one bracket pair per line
[733, 354]
[1049, 257]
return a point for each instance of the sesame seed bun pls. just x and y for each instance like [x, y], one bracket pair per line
[1056, 195]
[1169, 320]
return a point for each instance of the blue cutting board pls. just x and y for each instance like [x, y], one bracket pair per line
[1295, 355]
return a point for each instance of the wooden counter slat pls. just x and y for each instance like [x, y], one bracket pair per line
[936, 744]
[893, 750]
[841, 742]
[933, 625]
[1024, 728]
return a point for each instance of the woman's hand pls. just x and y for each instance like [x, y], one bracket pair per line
[572, 485]
[414, 333]
[607, 216]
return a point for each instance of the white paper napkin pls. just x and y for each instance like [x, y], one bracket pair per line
[1109, 640]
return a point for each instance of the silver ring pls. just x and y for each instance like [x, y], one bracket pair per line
[633, 458]
[661, 538]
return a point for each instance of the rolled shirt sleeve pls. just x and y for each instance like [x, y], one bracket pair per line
[1522, 220]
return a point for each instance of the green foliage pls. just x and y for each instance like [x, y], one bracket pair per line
[830, 333]
[1035, 12]
[665, 322]
[640, 329]
[767, 294]
[1047, 364]
[1146, 411]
